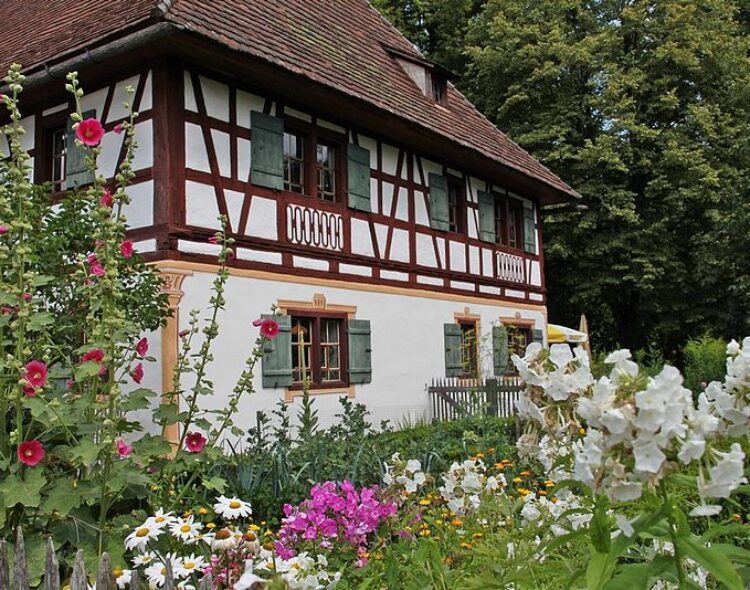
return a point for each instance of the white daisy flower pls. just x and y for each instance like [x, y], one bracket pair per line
[156, 573]
[122, 577]
[186, 529]
[190, 565]
[232, 507]
[144, 559]
[162, 519]
[223, 539]
[140, 537]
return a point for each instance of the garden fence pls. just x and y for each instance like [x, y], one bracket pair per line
[458, 398]
[105, 578]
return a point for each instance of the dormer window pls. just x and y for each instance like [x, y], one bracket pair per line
[430, 78]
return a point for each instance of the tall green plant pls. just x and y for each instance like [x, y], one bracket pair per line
[705, 361]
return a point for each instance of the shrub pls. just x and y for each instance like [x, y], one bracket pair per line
[705, 361]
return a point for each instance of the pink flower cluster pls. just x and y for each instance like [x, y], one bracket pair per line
[334, 514]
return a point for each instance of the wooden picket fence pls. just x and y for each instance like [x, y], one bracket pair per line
[105, 578]
[459, 398]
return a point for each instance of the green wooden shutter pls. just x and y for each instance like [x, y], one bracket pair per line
[454, 366]
[360, 352]
[277, 355]
[76, 173]
[529, 231]
[537, 336]
[358, 176]
[439, 215]
[486, 216]
[267, 140]
[499, 350]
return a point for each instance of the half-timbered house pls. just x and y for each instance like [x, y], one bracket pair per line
[397, 230]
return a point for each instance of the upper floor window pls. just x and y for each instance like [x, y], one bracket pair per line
[515, 224]
[294, 162]
[326, 168]
[55, 144]
[456, 205]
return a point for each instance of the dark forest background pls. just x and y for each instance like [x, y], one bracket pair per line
[642, 107]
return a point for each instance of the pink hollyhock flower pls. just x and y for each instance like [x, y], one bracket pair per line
[195, 442]
[30, 452]
[95, 354]
[8, 310]
[4, 229]
[106, 200]
[183, 333]
[36, 373]
[95, 267]
[213, 240]
[118, 128]
[90, 132]
[29, 391]
[138, 373]
[141, 348]
[69, 384]
[123, 449]
[26, 296]
[126, 249]
[268, 328]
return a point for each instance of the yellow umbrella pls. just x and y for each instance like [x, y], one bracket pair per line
[559, 334]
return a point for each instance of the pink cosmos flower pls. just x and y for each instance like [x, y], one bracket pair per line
[36, 373]
[90, 132]
[106, 200]
[30, 452]
[123, 449]
[118, 128]
[141, 348]
[4, 229]
[126, 249]
[137, 373]
[195, 442]
[95, 354]
[268, 328]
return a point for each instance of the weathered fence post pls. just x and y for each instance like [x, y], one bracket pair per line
[207, 582]
[105, 579]
[492, 391]
[20, 569]
[4, 571]
[51, 568]
[169, 576]
[78, 579]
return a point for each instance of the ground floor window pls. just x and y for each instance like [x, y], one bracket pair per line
[519, 338]
[469, 350]
[317, 350]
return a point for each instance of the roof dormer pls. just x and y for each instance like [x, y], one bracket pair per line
[429, 77]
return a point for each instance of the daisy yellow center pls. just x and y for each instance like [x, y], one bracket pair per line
[117, 572]
[159, 519]
[163, 571]
[223, 534]
[185, 528]
[189, 565]
[142, 532]
[234, 504]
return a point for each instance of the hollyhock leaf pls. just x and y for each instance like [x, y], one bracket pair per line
[216, 483]
[86, 370]
[61, 497]
[26, 491]
[42, 280]
[40, 320]
[85, 451]
[138, 399]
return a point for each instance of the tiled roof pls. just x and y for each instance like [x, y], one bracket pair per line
[338, 43]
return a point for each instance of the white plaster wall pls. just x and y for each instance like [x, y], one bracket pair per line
[407, 342]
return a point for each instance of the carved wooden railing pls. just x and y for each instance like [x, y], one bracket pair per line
[510, 267]
[309, 226]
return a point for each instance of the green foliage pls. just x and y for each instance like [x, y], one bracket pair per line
[643, 108]
[276, 468]
[705, 361]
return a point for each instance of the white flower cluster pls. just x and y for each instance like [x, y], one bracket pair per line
[638, 428]
[695, 573]
[404, 476]
[465, 482]
[190, 534]
[301, 572]
[560, 516]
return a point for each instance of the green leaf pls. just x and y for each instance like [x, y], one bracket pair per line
[636, 576]
[599, 571]
[138, 399]
[717, 564]
[26, 491]
[216, 483]
[40, 320]
[86, 370]
[62, 497]
[599, 529]
[85, 451]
